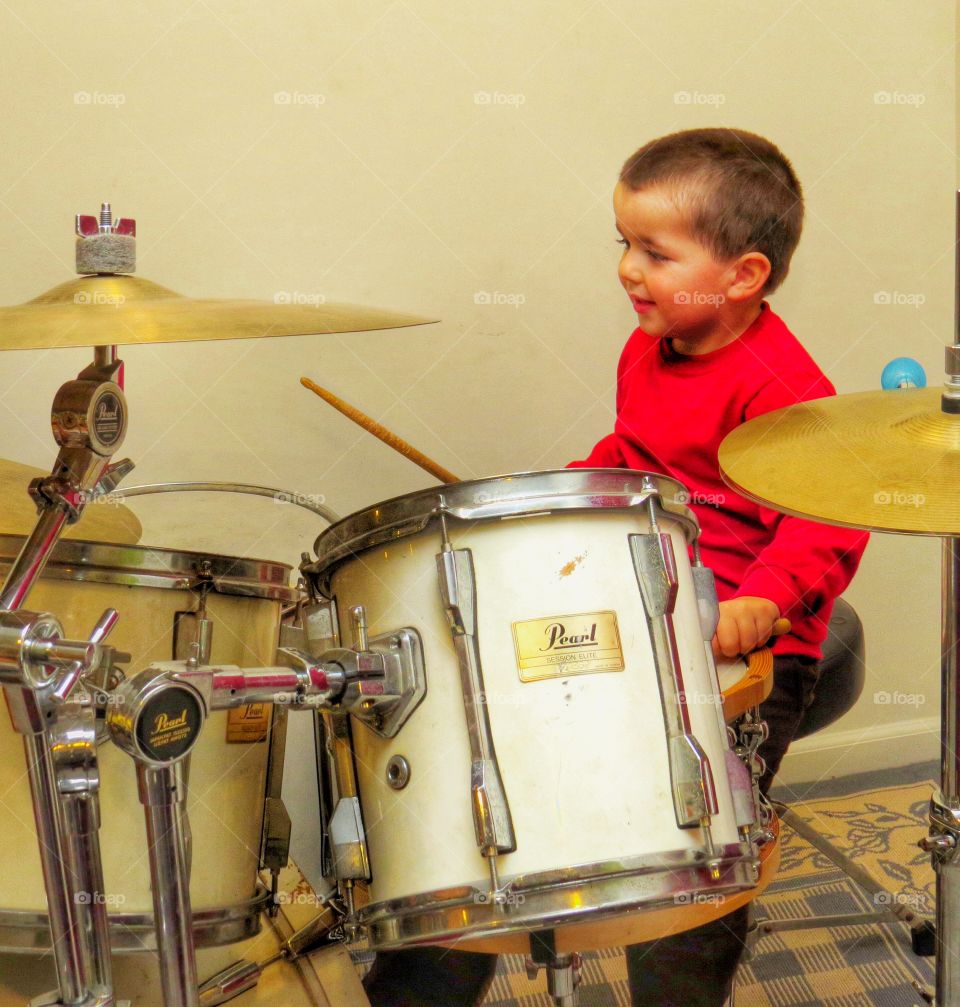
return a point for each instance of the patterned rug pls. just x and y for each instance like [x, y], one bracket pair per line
[858, 966]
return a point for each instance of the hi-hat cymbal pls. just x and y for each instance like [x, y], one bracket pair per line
[101, 521]
[886, 461]
[114, 310]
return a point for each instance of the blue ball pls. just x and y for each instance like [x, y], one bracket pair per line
[903, 372]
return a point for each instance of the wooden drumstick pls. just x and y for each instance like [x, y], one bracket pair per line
[379, 430]
[781, 626]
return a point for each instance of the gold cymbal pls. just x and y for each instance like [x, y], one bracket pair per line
[125, 310]
[886, 461]
[100, 521]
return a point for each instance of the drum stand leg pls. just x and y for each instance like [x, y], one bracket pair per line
[943, 842]
[563, 970]
[163, 795]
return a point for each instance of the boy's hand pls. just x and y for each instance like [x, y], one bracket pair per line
[745, 624]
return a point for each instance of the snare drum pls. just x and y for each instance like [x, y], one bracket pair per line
[157, 593]
[561, 609]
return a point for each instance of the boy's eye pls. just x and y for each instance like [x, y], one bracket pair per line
[656, 256]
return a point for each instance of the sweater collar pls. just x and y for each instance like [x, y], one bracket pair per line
[700, 361]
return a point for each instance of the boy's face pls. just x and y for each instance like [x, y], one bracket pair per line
[675, 284]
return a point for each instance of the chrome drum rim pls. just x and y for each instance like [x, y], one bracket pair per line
[28, 933]
[507, 496]
[551, 899]
[145, 566]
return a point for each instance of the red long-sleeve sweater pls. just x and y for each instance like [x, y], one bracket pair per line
[673, 411]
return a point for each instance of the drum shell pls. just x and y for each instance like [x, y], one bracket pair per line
[583, 757]
[226, 781]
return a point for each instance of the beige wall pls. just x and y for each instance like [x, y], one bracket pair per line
[430, 152]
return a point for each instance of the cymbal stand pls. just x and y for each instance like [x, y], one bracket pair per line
[40, 671]
[943, 841]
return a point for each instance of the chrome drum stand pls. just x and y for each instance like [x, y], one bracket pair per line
[42, 675]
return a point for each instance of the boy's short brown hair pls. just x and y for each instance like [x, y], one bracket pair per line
[738, 191]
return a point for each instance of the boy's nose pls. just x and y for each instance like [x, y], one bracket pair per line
[630, 270]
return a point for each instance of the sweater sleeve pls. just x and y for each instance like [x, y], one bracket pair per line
[806, 564]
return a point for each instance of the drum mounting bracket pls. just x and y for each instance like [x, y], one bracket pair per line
[404, 683]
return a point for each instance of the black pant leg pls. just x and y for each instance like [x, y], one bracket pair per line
[429, 977]
[656, 971]
[691, 969]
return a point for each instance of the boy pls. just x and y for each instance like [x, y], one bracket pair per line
[708, 220]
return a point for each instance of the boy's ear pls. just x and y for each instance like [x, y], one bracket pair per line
[749, 276]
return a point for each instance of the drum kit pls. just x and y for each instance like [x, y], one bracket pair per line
[524, 741]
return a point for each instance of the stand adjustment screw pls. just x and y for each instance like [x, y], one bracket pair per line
[937, 844]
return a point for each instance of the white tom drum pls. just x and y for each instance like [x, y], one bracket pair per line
[568, 759]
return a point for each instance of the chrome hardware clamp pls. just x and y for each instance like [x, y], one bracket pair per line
[157, 720]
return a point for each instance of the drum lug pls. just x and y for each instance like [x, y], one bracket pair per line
[189, 629]
[275, 834]
[320, 627]
[694, 791]
[275, 842]
[348, 841]
[708, 608]
[492, 820]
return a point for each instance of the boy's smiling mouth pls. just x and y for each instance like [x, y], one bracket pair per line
[641, 304]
